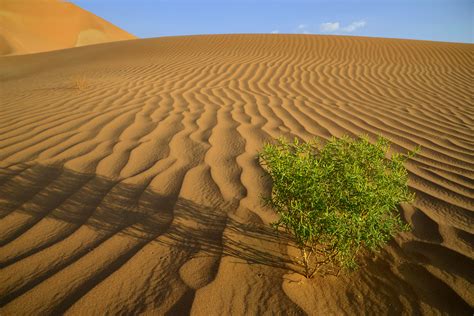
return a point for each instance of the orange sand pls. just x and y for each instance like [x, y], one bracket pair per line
[140, 192]
[31, 26]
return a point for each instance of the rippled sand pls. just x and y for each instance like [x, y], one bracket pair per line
[138, 190]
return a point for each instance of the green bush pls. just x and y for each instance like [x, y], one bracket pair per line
[337, 200]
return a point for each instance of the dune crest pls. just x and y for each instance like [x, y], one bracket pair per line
[140, 193]
[42, 25]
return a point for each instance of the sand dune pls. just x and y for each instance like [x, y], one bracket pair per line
[32, 26]
[140, 191]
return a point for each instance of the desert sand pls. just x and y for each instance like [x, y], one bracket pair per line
[32, 26]
[138, 190]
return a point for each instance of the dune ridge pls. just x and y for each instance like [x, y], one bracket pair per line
[28, 26]
[141, 192]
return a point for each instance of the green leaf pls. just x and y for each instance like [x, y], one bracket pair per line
[341, 198]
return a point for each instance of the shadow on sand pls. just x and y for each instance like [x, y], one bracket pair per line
[110, 207]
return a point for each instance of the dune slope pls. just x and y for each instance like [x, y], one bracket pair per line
[28, 26]
[129, 181]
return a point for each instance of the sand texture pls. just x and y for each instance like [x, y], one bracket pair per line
[129, 181]
[32, 26]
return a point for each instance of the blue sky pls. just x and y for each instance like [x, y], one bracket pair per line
[436, 20]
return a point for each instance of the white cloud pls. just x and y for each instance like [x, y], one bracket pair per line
[330, 26]
[303, 29]
[354, 26]
[275, 31]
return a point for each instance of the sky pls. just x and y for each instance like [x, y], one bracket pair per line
[435, 20]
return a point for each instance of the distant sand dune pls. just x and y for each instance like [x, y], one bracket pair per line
[31, 26]
[141, 192]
